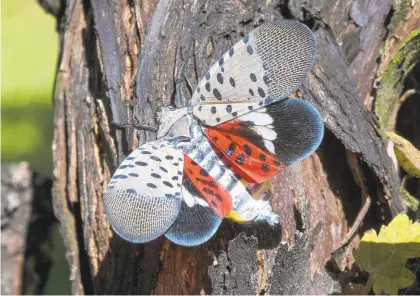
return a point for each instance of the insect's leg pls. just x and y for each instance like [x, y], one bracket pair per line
[134, 125]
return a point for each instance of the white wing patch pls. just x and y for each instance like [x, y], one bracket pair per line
[265, 66]
[258, 117]
[188, 197]
[143, 197]
[266, 133]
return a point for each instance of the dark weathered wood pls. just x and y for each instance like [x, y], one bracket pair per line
[119, 62]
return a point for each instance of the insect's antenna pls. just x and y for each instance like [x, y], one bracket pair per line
[179, 93]
[136, 126]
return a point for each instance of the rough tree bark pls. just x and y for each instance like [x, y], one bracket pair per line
[26, 221]
[118, 62]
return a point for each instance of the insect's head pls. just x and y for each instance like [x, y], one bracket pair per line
[160, 112]
[166, 117]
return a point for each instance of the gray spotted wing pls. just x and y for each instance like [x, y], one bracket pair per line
[265, 66]
[143, 198]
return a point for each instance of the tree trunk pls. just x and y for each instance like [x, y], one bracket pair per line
[119, 61]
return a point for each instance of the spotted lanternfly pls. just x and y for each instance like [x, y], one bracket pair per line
[242, 126]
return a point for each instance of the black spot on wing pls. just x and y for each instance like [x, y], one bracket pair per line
[247, 149]
[155, 158]
[169, 184]
[231, 51]
[202, 181]
[240, 159]
[231, 149]
[120, 177]
[264, 167]
[151, 185]
[249, 49]
[154, 175]
[217, 94]
[220, 78]
[203, 172]
[232, 81]
[208, 191]
[169, 157]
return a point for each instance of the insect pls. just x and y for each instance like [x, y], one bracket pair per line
[241, 128]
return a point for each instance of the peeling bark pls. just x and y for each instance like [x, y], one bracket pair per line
[118, 63]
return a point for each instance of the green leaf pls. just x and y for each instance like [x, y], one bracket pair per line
[384, 255]
[390, 284]
[407, 155]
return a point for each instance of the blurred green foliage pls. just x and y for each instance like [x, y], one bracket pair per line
[28, 61]
[29, 55]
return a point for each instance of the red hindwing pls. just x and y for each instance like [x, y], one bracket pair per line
[210, 189]
[252, 163]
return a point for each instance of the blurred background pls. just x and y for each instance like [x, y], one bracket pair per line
[29, 54]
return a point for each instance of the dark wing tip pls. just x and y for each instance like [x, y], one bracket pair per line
[194, 225]
[299, 127]
[287, 49]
